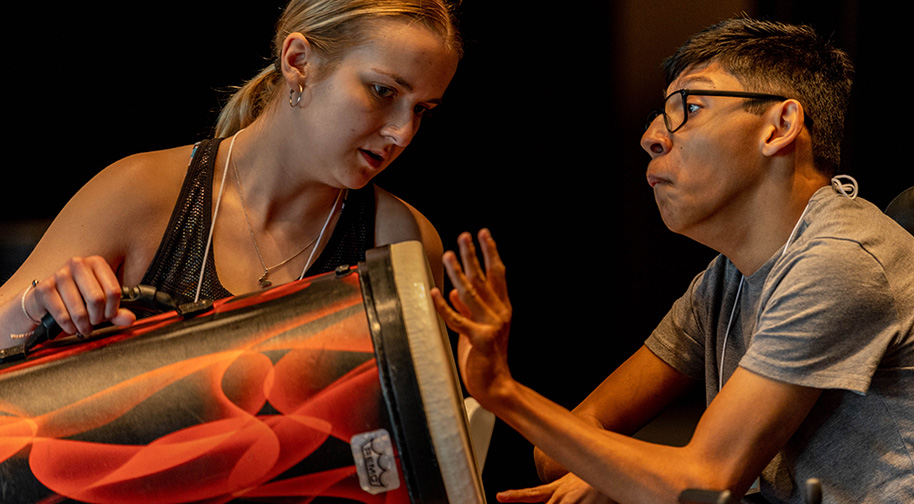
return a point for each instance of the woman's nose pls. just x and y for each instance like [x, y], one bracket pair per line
[401, 129]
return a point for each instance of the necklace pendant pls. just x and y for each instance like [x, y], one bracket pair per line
[264, 283]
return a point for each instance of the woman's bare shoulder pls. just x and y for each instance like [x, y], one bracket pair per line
[119, 214]
[148, 175]
[132, 187]
[397, 221]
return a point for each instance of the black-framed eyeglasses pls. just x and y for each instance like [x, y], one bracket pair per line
[676, 108]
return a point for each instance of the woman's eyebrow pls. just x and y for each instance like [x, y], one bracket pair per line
[396, 78]
[402, 82]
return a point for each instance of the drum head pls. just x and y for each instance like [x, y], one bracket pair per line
[419, 376]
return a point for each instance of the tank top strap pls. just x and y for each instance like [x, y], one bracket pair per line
[176, 266]
[353, 234]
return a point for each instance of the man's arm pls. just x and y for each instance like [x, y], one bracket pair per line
[749, 421]
[635, 393]
[738, 435]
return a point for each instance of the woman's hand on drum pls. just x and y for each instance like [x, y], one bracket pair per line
[83, 293]
[568, 489]
[481, 315]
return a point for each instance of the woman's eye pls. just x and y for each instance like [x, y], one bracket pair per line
[383, 91]
[692, 108]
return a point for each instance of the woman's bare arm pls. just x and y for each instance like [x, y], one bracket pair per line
[105, 234]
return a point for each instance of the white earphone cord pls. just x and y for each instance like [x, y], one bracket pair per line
[212, 226]
[848, 190]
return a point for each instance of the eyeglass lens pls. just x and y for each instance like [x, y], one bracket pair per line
[674, 112]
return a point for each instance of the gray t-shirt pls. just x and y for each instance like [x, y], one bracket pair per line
[834, 311]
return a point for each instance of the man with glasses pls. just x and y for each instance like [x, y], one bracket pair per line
[801, 330]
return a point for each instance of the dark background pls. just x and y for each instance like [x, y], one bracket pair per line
[537, 140]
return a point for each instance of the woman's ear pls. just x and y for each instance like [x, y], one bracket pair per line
[297, 60]
[784, 126]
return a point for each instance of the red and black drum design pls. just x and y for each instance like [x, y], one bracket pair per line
[339, 388]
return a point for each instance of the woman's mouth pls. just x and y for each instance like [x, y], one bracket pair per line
[374, 159]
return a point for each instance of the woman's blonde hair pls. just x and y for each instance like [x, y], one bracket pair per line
[331, 27]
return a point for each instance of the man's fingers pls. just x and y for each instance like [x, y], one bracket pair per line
[489, 285]
[495, 268]
[453, 269]
[459, 306]
[535, 494]
[470, 260]
[453, 319]
[470, 299]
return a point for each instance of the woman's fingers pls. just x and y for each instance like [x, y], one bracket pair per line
[110, 286]
[46, 297]
[87, 302]
[82, 294]
[123, 317]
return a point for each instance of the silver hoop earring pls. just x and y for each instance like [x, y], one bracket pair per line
[295, 103]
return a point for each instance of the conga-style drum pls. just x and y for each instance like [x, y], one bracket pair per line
[339, 388]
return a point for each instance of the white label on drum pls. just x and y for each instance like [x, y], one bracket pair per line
[375, 461]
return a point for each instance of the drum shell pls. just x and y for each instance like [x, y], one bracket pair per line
[257, 400]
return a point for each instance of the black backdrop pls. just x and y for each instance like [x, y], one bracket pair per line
[537, 139]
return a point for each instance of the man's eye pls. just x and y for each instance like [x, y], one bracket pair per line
[421, 110]
[692, 108]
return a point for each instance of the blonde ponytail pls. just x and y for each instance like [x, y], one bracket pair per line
[248, 102]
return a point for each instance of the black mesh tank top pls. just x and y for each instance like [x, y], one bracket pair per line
[175, 269]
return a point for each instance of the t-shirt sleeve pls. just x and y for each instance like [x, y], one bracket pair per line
[827, 320]
[678, 340]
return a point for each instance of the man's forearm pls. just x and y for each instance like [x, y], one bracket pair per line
[625, 469]
[626, 401]
[742, 429]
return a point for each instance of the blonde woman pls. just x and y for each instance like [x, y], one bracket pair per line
[283, 191]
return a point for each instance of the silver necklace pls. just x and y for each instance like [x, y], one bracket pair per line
[264, 282]
[263, 279]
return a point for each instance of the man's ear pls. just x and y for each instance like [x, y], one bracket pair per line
[297, 60]
[783, 128]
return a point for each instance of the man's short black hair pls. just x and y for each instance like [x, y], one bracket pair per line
[778, 58]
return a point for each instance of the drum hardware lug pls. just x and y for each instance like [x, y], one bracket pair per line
[11, 354]
[342, 270]
[188, 310]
